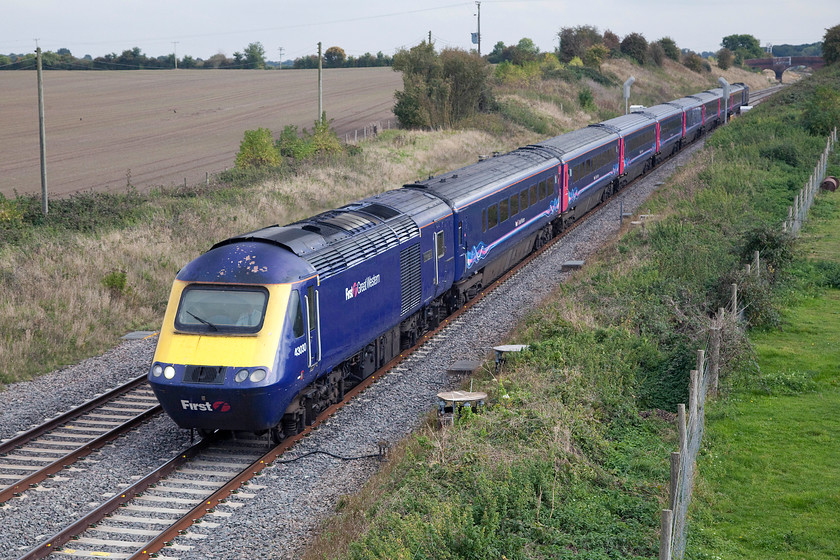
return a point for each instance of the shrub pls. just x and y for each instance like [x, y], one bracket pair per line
[669, 46]
[116, 282]
[783, 151]
[822, 113]
[725, 58]
[635, 46]
[258, 150]
[586, 99]
[692, 61]
[657, 53]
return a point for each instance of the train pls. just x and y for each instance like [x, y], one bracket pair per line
[269, 328]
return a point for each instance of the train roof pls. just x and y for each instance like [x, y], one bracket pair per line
[686, 102]
[464, 186]
[660, 112]
[339, 239]
[626, 124]
[706, 96]
[572, 144]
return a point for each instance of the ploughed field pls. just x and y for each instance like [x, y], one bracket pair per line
[166, 125]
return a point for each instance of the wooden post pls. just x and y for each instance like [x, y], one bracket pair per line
[675, 476]
[693, 396]
[714, 358]
[734, 301]
[701, 360]
[681, 427]
[665, 535]
[756, 263]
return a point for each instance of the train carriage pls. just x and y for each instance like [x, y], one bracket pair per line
[669, 127]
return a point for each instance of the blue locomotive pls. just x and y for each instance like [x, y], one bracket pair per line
[267, 329]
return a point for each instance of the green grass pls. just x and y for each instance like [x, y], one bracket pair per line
[770, 483]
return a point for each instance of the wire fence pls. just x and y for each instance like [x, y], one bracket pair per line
[805, 197]
[369, 131]
[704, 382]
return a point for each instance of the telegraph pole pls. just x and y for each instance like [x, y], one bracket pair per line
[43, 132]
[320, 85]
[174, 53]
[479, 27]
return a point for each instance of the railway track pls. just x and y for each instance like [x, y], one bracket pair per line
[45, 450]
[140, 521]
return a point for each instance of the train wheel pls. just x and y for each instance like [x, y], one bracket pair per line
[277, 435]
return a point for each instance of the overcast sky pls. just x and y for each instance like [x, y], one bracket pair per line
[202, 28]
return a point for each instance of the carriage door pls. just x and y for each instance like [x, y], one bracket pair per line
[313, 325]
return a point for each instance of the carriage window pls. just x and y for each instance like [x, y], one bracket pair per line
[550, 186]
[484, 220]
[523, 199]
[503, 210]
[533, 194]
[295, 316]
[492, 216]
[441, 246]
[514, 205]
[542, 190]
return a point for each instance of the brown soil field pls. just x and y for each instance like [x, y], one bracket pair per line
[166, 126]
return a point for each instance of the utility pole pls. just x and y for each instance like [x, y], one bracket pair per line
[280, 50]
[430, 36]
[43, 132]
[479, 27]
[320, 85]
[174, 53]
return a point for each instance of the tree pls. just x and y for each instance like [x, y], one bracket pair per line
[595, 55]
[439, 90]
[612, 42]
[574, 41]
[635, 46]
[725, 58]
[495, 55]
[254, 56]
[744, 47]
[670, 47]
[831, 45]
[334, 57]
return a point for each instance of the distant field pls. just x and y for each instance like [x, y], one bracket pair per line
[166, 125]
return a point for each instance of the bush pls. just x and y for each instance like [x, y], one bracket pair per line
[258, 150]
[822, 113]
[725, 58]
[657, 53]
[586, 99]
[670, 48]
[692, 61]
[635, 46]
[784, 152]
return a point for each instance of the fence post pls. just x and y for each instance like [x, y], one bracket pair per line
[693, 396]
[681, 427]
[734, 301]
[675, 476]
[757, 262]
[665, 535]
[714, 359]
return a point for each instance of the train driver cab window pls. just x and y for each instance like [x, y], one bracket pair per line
[221, 309]
[440, 245]
[295, 316]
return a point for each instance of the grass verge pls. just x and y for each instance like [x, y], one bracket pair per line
[770, 482]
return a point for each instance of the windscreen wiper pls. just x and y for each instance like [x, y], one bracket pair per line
[205, 321]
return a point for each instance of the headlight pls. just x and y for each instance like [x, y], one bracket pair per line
[169, 372]
[241, 375]
[157, 370]
[258, 375]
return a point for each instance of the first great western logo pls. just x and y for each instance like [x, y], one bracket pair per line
[360, 287]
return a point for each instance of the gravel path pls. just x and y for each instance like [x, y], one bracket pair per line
[284, 513]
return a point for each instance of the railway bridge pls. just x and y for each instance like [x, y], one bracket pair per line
[779, 64]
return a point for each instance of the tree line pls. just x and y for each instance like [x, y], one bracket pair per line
[251, 57]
